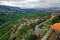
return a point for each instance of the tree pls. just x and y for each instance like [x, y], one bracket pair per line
[56, 19]
[31, 37]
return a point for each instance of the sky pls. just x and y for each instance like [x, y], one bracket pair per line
[31, 3]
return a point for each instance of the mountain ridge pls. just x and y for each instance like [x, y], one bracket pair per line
[8, 8]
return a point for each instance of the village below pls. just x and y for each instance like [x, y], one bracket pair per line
[29, 24]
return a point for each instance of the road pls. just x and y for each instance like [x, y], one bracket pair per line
[40, 25]
[13, 35]
[44, 22]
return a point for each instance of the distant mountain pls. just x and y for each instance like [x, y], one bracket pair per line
[2, 7]
[9, 8]
[55, 9]
[52, 9]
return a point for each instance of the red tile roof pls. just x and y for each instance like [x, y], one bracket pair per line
[56, 26]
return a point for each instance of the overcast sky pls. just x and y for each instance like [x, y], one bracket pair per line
[31, 3]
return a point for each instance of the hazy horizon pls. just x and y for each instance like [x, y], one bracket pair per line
[31, 3]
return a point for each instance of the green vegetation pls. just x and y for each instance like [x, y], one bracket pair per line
[45, 28]
[31, 37]
[25, 29]
[56, 19]
[9, 19]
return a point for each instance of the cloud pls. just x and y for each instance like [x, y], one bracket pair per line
[31, 3]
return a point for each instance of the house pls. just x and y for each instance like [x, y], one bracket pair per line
[52, 17]
[36, 20]
[14, 29]
[25, 24]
